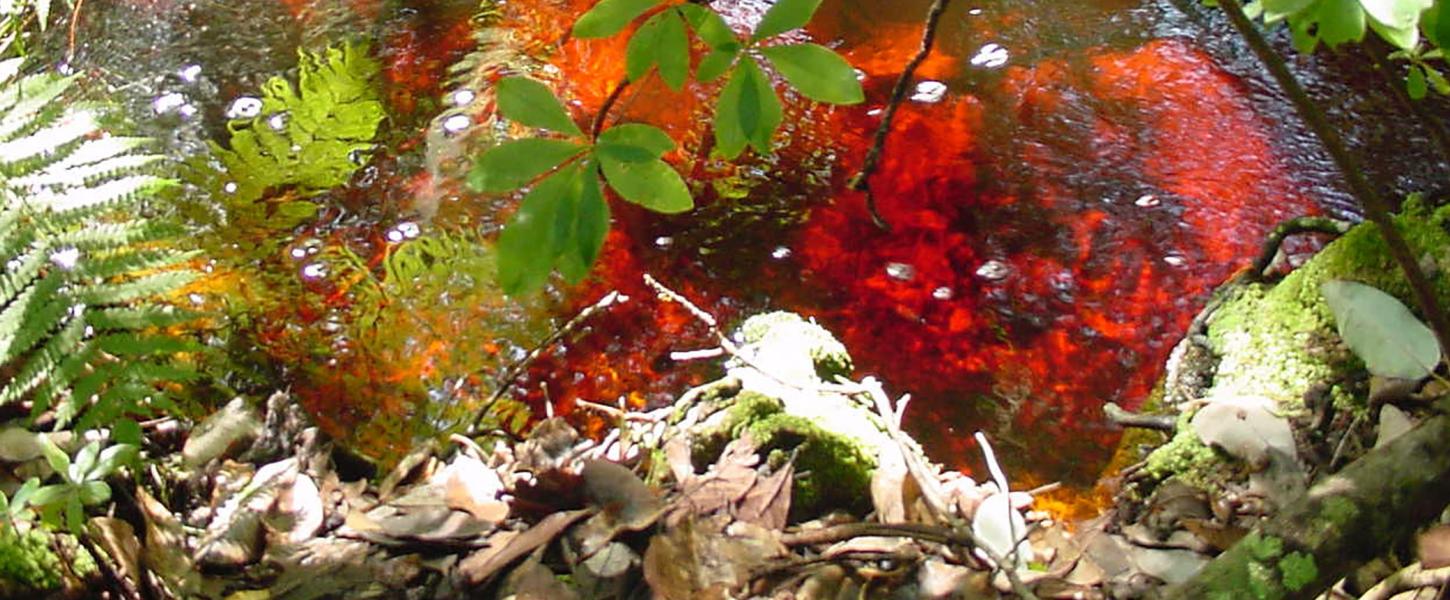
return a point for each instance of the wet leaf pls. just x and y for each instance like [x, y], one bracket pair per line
[748, 112]
[1382, 331]
[530, 103]
[528, 245]
[648, 137]
[514, 164]
[608, 17]
[785, 16]
[816, 72]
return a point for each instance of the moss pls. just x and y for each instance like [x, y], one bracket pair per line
[1186, 457]
[828, 355]
[832, 471]
[1299, 570]
[27, 563]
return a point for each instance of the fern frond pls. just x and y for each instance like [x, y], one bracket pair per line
[82, 325]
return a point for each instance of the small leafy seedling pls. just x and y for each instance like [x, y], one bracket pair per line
[83, 481]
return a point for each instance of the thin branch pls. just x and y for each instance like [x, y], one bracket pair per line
[604, 110]
[511, 376]
[1376, 209]
[1118, 416]
[1290, 228]
[861, 182]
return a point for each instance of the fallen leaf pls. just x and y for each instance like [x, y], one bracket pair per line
[118, 539]
[870, 544]
[223, 433]
[1390, 340]
[690, 561]
[1433, 546]
[1000, 528]
[471, 486]
[767, 503]
[300, 507]
[1246, 428]
[482, 564]
[618, 492]
[888, 485]
[938, 579]
[1393, 423]
[533, 581]
[18, 444]
[233, 538]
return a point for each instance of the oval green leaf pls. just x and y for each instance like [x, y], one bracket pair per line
[530, 103]
[709, 25]
[610, 16]
[816, 72]
[730, 140]
[785, 16]
[591, 227]
[649, 137]
[651, 184]
[1396, 14]
[512, 165]
[716, 63]
[1381, 331]
[1416, 84]
[528, 244]
[660, 41]
[1340, 21]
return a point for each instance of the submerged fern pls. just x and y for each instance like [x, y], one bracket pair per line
[81, 328]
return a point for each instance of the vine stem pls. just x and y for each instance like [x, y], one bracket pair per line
[1376, 209]
[861, 182]
[604, 109]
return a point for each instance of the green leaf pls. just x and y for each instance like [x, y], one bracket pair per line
[49, 495]
[817, 72]
[75, 514]
[648, 137]
[530, 103]
[85, 461]
[528, 244]
[716, 63]
[1396, 14]
[1285, 7]
[709, 25]
[113, 458]
[592, 221]
[1416, 84]
[511, 165]
[1405, 38]
[1340, 21]
[610, 16]
[652, 184]
[1381, 331]
[1437, 80]
[95, 492]
[785, 16]
[59, 461]
[747, 113]
[660, 41]
[127, 431]
[1442, 25]
[23, 496]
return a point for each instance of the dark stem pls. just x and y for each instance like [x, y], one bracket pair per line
[1376, 209]
[861, 181]
[1118, 416]
[1290, 228]
[603, 114]
[1387, 70]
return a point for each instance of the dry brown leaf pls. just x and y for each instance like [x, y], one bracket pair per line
[690, 561]
[619, 493]
[1434, 547]
[224, 433]
[937, 579]
[888, 485]
[471, 486]
[767, 503]
[679, 457]
[722, 486]
[119, 540]
[533, 581]
[480, 565]
[1220, 537]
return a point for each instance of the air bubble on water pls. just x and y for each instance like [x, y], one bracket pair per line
[929, 92]
[245, 107]
[664, 241]
[994, 270]
[1175, 260]
[454, 124]
[900, 271]
[991, 56]
[394, 236]
[943, 293]
[168, 102]
[463, 97]
[278, 121]
[780, 253]
[314, 271]
[1147, 201]
[230, 187]
[875, 112]
[196, 299]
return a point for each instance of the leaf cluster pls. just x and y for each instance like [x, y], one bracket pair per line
[83, 483]
[82, 325]
[563, 219]
[307, 137]
[1414, 27]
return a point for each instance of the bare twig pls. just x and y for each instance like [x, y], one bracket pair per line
[861, 182]
[510, 377]
[1413, 577]
[1376, 208]
[1118, 416]
[604, 110]
[1289, 228]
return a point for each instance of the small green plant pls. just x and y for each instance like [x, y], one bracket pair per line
[563, 219]
[83, 482]
[83, 328]
[1414, 27]
[304, 138]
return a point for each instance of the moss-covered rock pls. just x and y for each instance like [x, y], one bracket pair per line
[27, 563]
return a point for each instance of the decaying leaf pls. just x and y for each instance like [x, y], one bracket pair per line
[533, 581]
[224, 432]
[999, 527]
[299, 512]
[233, 538]
[1382, 331]
[938, 579]
[1433, 547]
[482, 564]
[618, 492]
[118, 539]
[722, 486]
[471, 486]
[888, 485]
[1245, 427]
[767, 503]
[1393, 423]
[692, 561]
